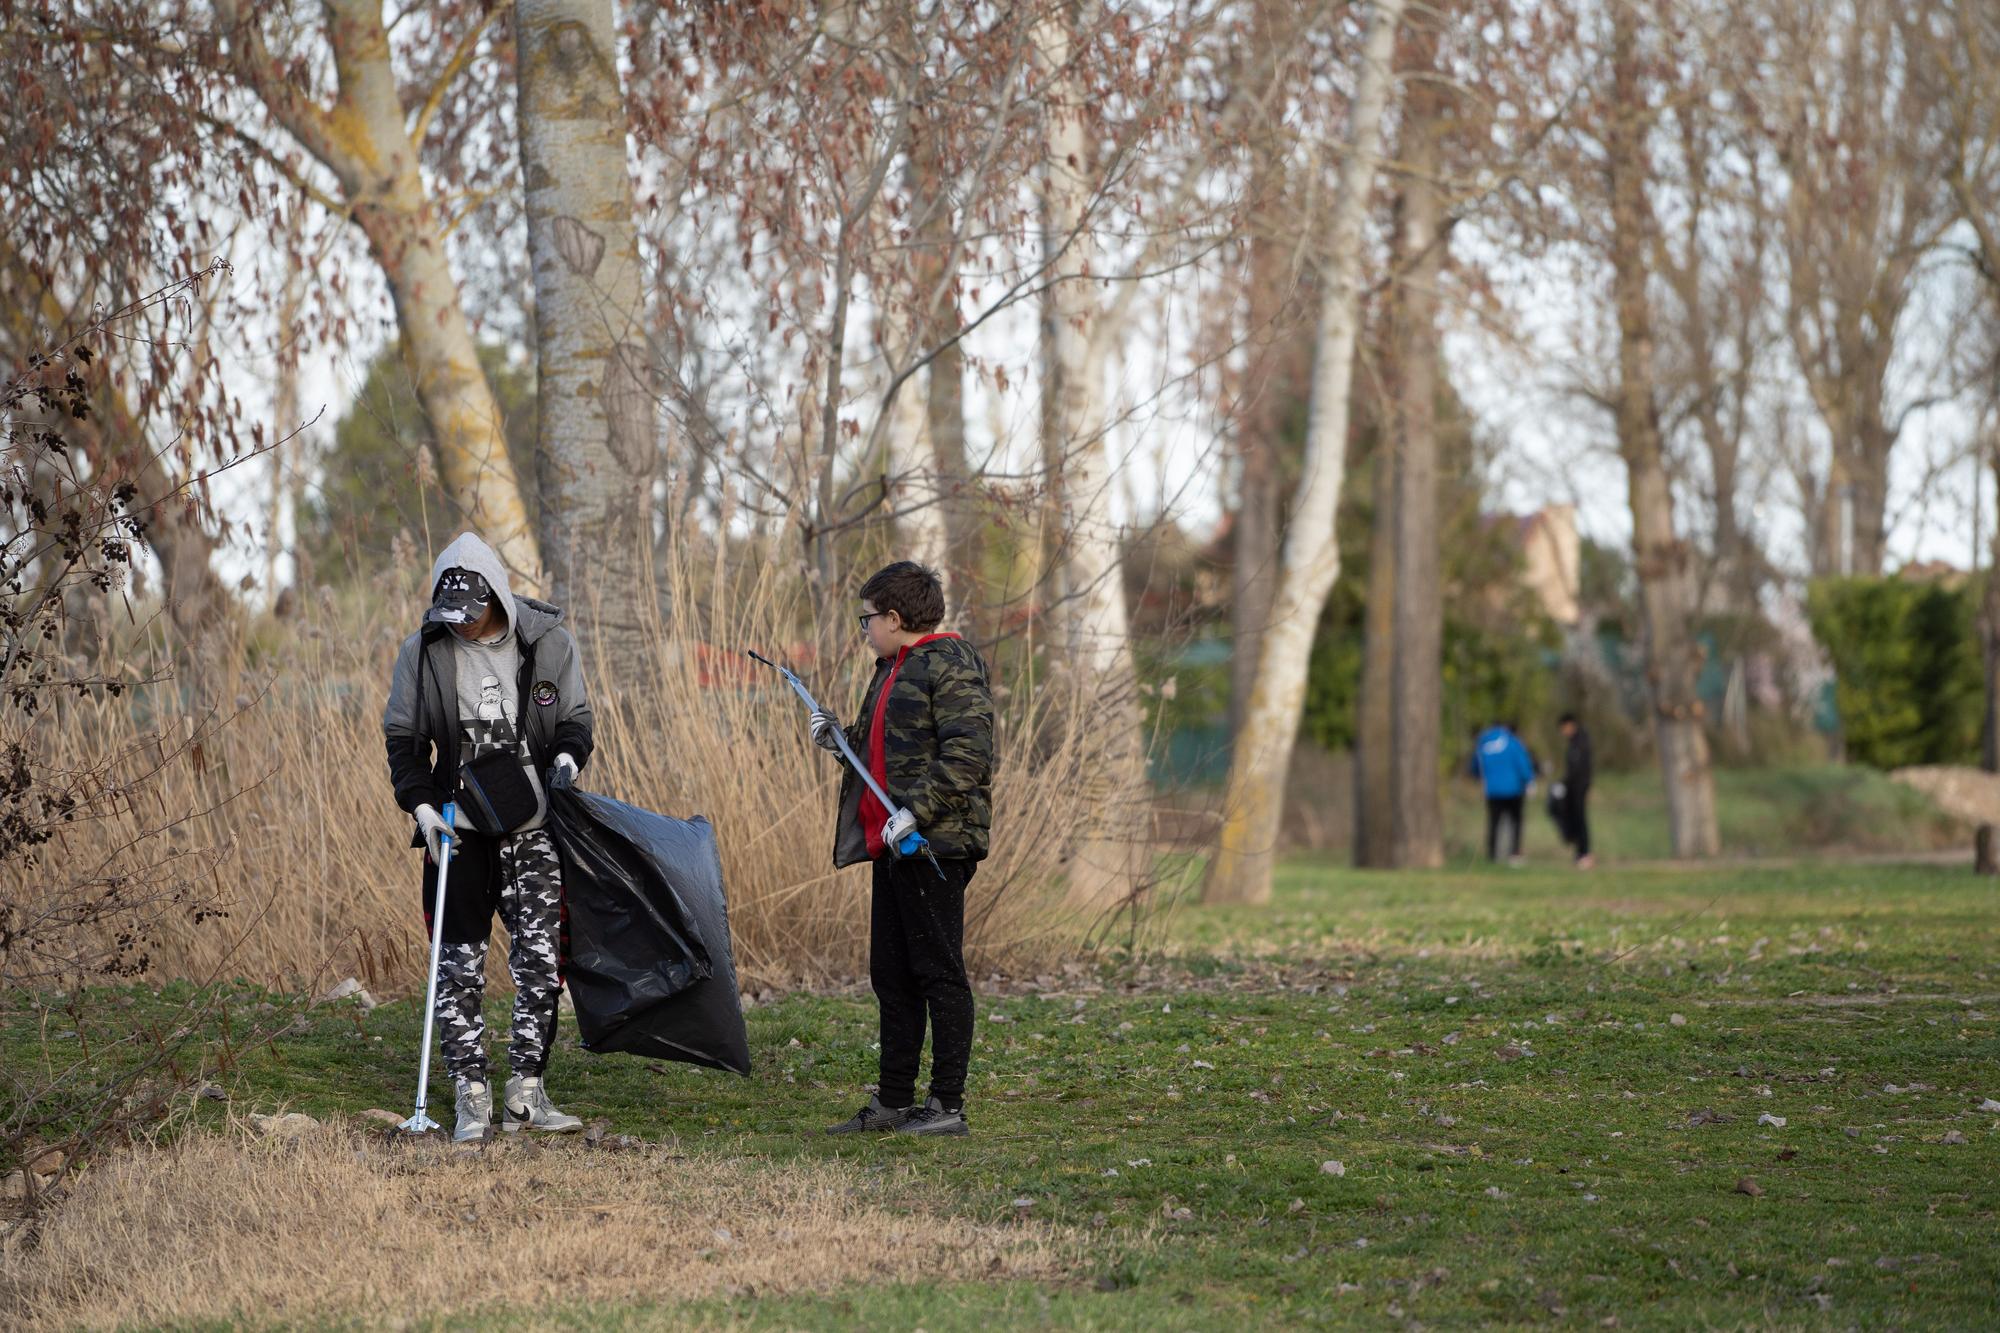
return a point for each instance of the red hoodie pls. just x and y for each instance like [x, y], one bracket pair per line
[871, 813]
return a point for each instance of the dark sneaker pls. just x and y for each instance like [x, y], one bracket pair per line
[932, 1118]
[873, 1117]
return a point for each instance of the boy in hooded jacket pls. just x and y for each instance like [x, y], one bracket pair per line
[487, 713]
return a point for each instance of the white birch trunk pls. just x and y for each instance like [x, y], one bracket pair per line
[1262, 756]
[596, 448]
[1092, 621]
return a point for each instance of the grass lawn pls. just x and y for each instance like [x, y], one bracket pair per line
[1640, 1098]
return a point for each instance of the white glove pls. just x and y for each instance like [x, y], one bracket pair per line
[1558, 791]
[562, 773]
[898, 826]
[431, 824]
[824, 724]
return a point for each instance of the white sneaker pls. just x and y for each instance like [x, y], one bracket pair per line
[528, 1107]
[475, 1111]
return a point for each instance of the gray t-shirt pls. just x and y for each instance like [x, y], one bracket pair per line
[489, 711]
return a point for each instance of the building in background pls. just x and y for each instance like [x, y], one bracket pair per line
[1552, 561]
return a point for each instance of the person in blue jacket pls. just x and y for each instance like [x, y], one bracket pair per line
[1507, 771]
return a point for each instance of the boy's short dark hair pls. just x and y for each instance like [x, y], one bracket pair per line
[910, 590]
[1566, 719]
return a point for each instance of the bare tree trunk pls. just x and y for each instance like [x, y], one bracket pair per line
[1275, 377]
[944, 409]
[1050, 587]
[1662, 559]
[913, 481]
[1051, 582]
[1253, 559]
[1416, 693]
[944, 400]
[1094, 625]
[1261, 757]
[363, 142]
[1851, 516]
[1731, 557]
[597, 448]
[1815, 493]
[285, 408]
[1870, 471]
[1374, 755]
[1986, 842]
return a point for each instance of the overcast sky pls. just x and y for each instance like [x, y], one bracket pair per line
[1167, 443]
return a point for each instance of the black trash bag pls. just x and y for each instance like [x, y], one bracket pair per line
[649, 966]
[1558, 806]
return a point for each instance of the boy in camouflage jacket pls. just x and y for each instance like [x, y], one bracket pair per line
[926, 733]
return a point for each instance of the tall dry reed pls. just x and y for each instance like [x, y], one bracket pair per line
[289, 781]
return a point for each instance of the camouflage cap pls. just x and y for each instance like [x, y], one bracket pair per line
[461, 598]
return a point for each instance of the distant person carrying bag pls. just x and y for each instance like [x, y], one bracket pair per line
[1569, 799]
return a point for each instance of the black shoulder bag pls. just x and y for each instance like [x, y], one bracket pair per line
[495, 793]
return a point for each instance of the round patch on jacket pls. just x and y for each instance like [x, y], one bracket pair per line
[545, 692]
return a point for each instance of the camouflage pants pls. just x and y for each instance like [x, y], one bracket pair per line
[529, 898]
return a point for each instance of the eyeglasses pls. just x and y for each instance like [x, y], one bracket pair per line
[864, 619]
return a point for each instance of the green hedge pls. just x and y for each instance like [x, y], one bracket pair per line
[1909, 684]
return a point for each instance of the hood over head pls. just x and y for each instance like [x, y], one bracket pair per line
[468, 551]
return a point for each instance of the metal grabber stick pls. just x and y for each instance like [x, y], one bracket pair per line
[421, 1123]
[914, 841]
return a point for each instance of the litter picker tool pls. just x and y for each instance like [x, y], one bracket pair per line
[914, 841]
[421, 1123]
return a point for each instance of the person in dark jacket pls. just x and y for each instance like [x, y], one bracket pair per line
[1507, 773]
[1572, 794]
[926, 733]
[487, 712]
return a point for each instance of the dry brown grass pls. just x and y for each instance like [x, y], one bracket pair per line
[343, 1225]
[319, 870]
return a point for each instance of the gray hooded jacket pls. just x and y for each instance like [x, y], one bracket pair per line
[420, 723]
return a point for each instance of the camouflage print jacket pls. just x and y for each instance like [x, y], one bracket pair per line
[937, 747]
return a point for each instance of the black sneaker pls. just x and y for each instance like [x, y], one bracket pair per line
[873, 1117]
[932, 1118]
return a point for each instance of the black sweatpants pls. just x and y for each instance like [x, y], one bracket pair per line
[916, 962]
[1576, 820]
[1503, 810]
